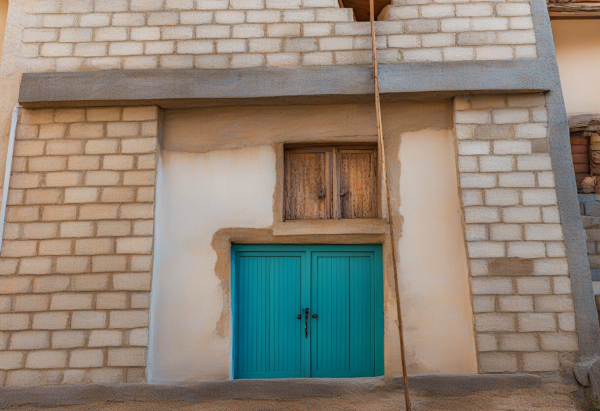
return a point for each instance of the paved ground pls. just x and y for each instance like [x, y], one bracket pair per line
[515, 400]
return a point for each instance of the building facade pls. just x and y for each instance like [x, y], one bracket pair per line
[189, 176]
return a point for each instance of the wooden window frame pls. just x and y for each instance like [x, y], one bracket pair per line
[332, 181]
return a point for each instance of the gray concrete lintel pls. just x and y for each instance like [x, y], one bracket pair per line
[305, 85]
[282, 389]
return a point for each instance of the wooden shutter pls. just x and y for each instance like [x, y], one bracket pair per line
[308, 184]
[357, 185]
[331, 182]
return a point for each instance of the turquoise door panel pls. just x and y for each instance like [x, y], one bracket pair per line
[342, 337]
[269, 339]
[342, 286]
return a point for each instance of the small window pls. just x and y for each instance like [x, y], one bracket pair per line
[331, 182]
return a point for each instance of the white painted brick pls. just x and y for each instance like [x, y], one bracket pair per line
[521, 23]
[212, 4]
[481, 215]
[510, 115]
[146, 5]
[484, 286]
[59, 20]
[195, 47]
[519, 342]
[476, 232]
[333, 15]
[176, 62]
[515, 303]
[526, 249]
[125, 49]
[485, 304]
[513, 9]
[129, 19]
[160, 47]
[299, 16]
[495, 322]
[517, 179]
[263, 16]
[213, 31]
[553, 303]
[247, 4]
[177, 33]
[546, 179]
[335, 43]
[539, 197]
[56, 49]
[229, 17]
[195, 17]
[516, 37]
[265, 45]
[474, 10]
[550, 266]
[496, 163]
[284, 30]
[468, 164]
[456, 25]
[478, 267]
[404, 41]
[317, 59]
[486, 342]
[477, 180]
[300, 45]
[566, 321]
[562, 285]
[539, 113]
[317, 29]
[110, 34]
[524, 52]
[78, 35]
[459, 53]
[473, 117]
[534, 162]
[231, 46]
[550, 215]
[533, 285]
[486, 249]
[556, 249]
[423, 55]
[464, 131]
[358, 28]
[498, 362]
[506, 232]
[529, 322]
[39, 35]
[403, 12]
[284, 4]
[145, 33]
[490, 23]
[494, 53]
[512, 147]
[86, 359]
[472, 197]
[437, 11]
[438, 40]
[470, 148]
[247, 60]
[502, 197]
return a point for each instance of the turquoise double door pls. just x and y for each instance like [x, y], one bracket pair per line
[307, 311]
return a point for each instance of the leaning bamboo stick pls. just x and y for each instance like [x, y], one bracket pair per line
[389, 205]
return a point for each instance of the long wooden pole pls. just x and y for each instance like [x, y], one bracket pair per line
[389, 205]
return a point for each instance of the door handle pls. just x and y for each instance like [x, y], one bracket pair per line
[315, 316]
[306, 311]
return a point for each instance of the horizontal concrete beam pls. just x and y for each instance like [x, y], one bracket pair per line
[176, 88]
[448, 385]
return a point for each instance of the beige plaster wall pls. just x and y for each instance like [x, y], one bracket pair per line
[237, 190]
[434, 279]
[199, 194]
[3, 16]
[577, 45]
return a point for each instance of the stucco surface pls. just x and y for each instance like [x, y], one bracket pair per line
[199, 194]
[577, 45]
[433, 273]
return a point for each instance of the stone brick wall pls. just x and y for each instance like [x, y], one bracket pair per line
[68, 35]
[522, 298]
[75, 266]
[590, 218]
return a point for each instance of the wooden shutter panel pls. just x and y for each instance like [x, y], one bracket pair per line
[357, 183]
[308, 184]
